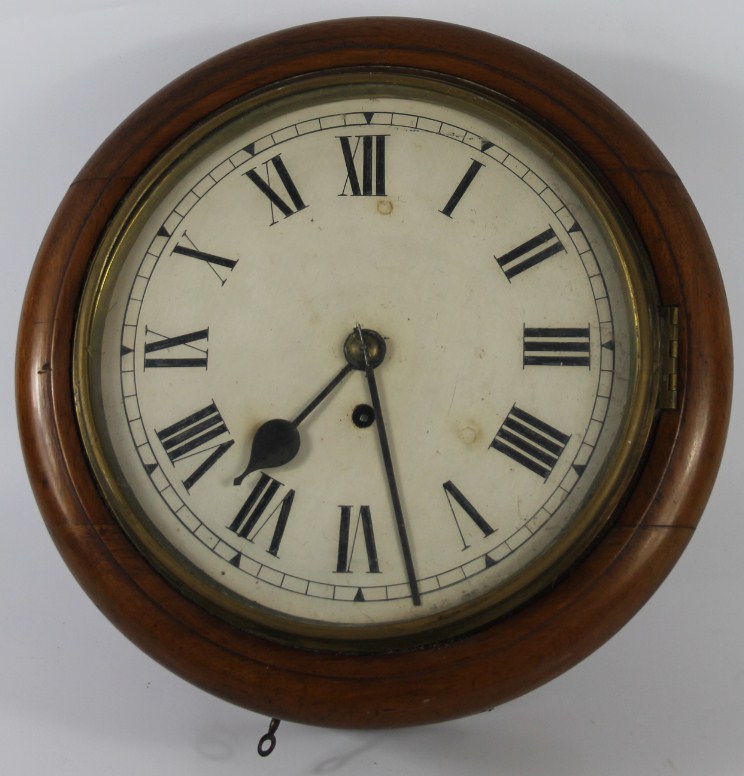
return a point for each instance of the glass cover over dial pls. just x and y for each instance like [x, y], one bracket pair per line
[368, 359]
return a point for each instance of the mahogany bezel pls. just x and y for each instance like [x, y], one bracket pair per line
[506, 658]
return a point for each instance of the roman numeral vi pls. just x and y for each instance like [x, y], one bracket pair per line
[347, 539]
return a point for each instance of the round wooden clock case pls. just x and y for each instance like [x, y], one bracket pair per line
[498, 658]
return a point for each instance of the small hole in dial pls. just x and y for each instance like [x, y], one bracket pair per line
[363, 416]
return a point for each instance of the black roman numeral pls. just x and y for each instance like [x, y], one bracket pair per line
[182, 350]
[556, 347]
[530, 253]
[462, 187]
[372, 182]
[530, 442]
[214, 262]
[193, 436]
[453, 493]
[347, 540]
[255, 513]
[278, 201]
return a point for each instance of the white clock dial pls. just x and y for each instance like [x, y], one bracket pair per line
[474, 253]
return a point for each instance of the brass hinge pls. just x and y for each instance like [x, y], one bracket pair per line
[669, 318]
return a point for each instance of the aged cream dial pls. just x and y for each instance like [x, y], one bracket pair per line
[363, 364]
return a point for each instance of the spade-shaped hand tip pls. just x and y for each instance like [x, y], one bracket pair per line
[276, 442]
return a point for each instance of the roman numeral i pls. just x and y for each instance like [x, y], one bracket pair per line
[461, 188]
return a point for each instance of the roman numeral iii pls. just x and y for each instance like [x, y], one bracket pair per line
[196, 435]
[556, 347]
[371, 181]
[530, 442]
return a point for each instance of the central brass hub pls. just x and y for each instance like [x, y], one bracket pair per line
[361, 343]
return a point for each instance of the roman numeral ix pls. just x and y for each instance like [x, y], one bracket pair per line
[182, 351]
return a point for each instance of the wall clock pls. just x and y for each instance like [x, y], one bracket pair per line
[374, 373]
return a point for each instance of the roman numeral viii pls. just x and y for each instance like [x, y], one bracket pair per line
[282, 195]
[556, 347]
[179, 351]
[259, 509]
[530, 253]
[530, 442]
[371, 182]
[196, 435]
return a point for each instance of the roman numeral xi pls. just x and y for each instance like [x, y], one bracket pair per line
[282, 194]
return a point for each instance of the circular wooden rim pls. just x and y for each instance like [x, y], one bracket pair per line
[506, 658]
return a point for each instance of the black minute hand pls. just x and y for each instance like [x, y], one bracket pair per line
[390, 473]
[277, 441]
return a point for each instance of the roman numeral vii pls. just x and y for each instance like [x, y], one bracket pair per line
[260, 508]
